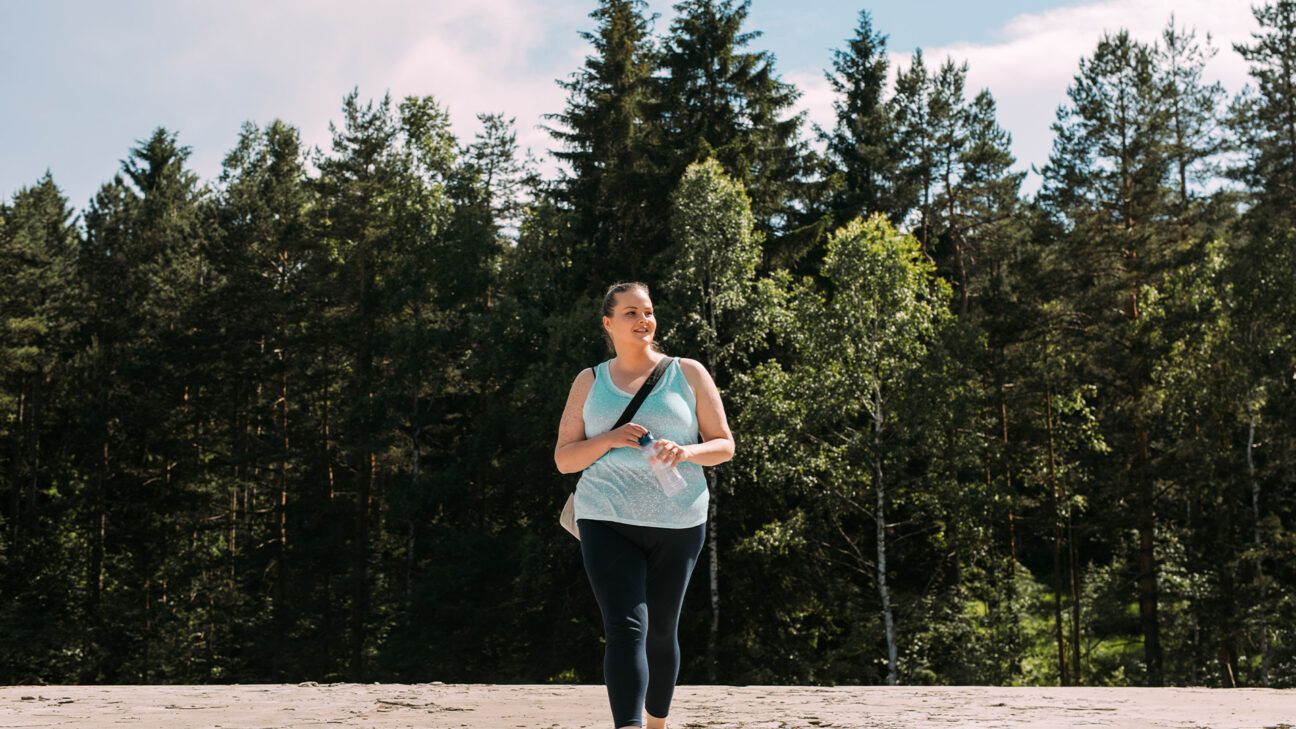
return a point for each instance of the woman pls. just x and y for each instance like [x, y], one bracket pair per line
[639, 545]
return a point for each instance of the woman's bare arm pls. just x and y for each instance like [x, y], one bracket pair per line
[717, 443]
[574, 452]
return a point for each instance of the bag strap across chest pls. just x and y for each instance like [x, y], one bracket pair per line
[644, 389]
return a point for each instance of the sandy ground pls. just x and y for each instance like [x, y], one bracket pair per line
[477, 706]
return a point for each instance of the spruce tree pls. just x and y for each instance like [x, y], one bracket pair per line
[715, 99]
[40, 571]
[860, 148]
[603, 134]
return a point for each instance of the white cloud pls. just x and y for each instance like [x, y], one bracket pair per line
[1037, 55]
[816, 100]
[289, 60]
[203, 68]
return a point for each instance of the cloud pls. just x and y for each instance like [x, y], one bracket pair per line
[1037, 55]
[816, 100]
[202, 69]
[472, 56]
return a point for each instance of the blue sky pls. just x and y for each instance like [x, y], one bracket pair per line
[84, 80]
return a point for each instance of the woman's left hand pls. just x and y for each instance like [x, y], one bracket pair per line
[670, 452]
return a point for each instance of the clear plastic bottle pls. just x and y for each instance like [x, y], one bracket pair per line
[668, 477]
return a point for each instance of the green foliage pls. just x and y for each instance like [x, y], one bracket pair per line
[297, 423]
[710, 282]
[716, 99]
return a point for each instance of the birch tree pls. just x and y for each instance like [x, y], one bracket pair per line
[710, 288]
[867, 340]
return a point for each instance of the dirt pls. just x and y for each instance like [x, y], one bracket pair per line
[479, 706]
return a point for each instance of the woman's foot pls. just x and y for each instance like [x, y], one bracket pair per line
[654, 722]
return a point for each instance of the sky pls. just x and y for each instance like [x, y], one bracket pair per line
[83, 80]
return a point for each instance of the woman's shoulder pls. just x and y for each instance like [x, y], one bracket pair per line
[584, 379]
[694, 371]
[690, 365]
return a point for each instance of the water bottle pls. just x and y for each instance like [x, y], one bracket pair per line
[667, 476]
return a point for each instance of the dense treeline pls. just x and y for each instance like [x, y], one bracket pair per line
[297, 422]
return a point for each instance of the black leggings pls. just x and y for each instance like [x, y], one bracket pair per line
[639, 575]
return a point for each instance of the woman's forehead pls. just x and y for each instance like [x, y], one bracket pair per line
[633, 300]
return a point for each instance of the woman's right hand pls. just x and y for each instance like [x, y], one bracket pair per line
[627, 435]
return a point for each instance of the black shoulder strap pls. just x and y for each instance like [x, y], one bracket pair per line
[644, 389]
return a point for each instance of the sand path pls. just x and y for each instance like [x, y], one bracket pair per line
[477, 706]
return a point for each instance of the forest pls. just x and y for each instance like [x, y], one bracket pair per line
[297, 422]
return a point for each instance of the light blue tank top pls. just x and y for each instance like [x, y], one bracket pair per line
[620, 486]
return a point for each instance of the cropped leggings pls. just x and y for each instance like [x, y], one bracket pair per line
[639, 575]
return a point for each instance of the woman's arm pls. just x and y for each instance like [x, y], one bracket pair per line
[717, 444]
[574, 452]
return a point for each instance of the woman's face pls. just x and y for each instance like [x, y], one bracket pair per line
[632, 322]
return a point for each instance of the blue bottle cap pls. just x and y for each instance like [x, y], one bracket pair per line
[646, 440]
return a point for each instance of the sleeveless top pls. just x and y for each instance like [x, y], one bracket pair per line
[620, 486]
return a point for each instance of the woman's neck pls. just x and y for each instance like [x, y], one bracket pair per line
[637, 360]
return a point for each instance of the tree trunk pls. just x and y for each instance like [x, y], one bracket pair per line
[1010, 587]
[365, 472]
[1057, 542]
[99, 530]
[235, 436]
[15, 484]
[1227, 676]
[956, 236]
[415, 473]
[1077, 672]
[713, 554]
[1259, 561]
[1147, 579]
[281, 514]
[360, 565]
[883, 594]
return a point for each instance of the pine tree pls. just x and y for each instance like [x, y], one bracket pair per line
[911, 110]
[1260, 272]
[383, 205]
[1106, 183]
[486, 190]
[1192, 112]
[980, 207]
[1264, 119]
[260, 319]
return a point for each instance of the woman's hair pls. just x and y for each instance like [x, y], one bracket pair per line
[609, 302]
